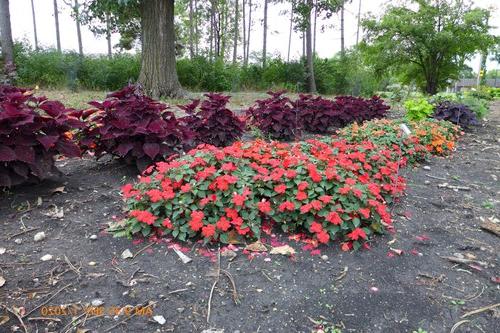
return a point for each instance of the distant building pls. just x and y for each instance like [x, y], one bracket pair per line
[465, 84]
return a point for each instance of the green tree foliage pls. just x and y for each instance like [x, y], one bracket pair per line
[427, 41]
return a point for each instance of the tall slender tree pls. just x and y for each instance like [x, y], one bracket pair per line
[264, 38]
[56, 18]
[359, 22]
[34, 24]
[108, 36]
[290, 33]
[6, 38]
[191, 29]
[243, 19]
[75, 12]
[236, 30]
[311, 81]
[249, 30]
[342, 43]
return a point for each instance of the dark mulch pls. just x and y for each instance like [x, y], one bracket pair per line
[375, 290]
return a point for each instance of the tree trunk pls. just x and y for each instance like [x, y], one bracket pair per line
[196, 29]
[290, 34]
[6, 38]
[431, 85]
[108, 37]
[314, 29]
[244, 31]
[158, 74]
[34, 24]
[264, 43]
[342, 46]
[249, 30]
[311, 82]
[56, 18]
[359, 22]
[236, 31]
[191, 30]
[78, 31]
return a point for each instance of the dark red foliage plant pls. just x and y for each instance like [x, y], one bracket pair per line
[214, 123]
[316, 114]
[134, 127]
[276, 117]
[357, 109]
[33, 130]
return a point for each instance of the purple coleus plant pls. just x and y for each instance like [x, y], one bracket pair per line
[33, 130]
[456, 113]
[134, 127]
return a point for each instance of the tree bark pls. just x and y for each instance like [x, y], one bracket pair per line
[56, 18]
[236, 31]
[78, 31]
[108, 37]
[359, 22]
[249, 30]
[244, 31]
[264, 38]
[290, 34]
[34, 24]
[197, 28]
[191, 30]
[314, 30]
[6, 38]
[311, 82]
[158, 74]
[342, 45]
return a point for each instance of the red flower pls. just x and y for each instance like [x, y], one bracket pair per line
[365, 212]
[357, 192]
[305, 208]
[290, 174]
[128, 191]
[185, 188]
[196, 220]
[301, 196]
[302, 186]
[223, 224]
[323, 237]
[316, 227]
[356, 234]
[208, 230]
[325, 199]
[374, 189]
[264, 207]
[167, 223]
[239, 199]
[350, 181]
[228, 166]
[344, 190]
[316, 204]
[280, 188]
[143, 216]
[287, 205]
[155, 195]
[333, 217]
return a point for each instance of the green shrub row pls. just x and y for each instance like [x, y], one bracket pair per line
[49, 68]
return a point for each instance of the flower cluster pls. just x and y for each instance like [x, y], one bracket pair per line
[328, 188]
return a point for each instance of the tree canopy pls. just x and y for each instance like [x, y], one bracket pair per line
[427, 41]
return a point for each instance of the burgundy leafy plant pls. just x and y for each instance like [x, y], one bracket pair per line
[276, 117]
[134, 127]
[32, 131]
[459, 114]
[214, 123]
[357, 109]
[316, 114]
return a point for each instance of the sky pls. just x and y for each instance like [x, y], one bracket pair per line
[327, 42]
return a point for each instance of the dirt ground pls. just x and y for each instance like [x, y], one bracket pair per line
[404, 283]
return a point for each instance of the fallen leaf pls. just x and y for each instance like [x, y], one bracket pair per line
[160, 319]
[2, 281]
[392, 241]
[4, 319]
[256, 247]
[39, 201]
[2, 250]
[397, 251]
[59, 189]
[127, 254]
[82, 330]
[234, 238]
[55, 212]
[285, 250]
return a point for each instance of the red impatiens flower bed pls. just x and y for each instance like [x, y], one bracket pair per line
[331, 189]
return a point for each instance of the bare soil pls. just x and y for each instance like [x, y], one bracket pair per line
[405, 282]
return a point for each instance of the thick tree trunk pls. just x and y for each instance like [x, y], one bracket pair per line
[431, 85]
[56, 18]
[342, 45]
[236, 31]
[290, 34]
[78, 31]
[6, 38]
[191, 30]
[158, 74]
[264, 38]
[311, 82]
[34, 24]
[108, 37]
